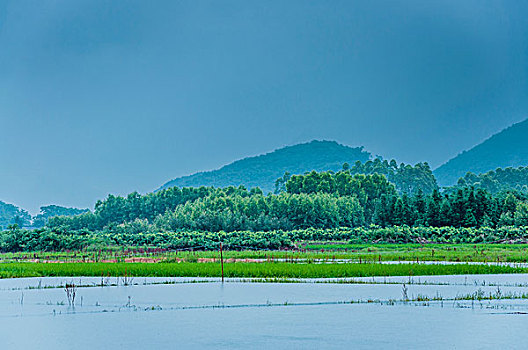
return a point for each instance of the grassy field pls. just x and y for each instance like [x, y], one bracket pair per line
[258, 270]
[425, 252]
[310, 251]
[303, 263]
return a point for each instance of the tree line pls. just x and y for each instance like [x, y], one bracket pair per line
[393, 209]
[406, 178]
[321, 200]
[12, 215]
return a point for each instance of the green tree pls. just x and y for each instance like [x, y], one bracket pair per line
[521, 214]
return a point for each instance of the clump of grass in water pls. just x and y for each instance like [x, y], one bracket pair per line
[127, 280]
[71, 291]
[497, 295]
[405, 289]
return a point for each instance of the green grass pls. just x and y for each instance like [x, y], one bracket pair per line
[318, 250]
[425, 252]
[258, 270]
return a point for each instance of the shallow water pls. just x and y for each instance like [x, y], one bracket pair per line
[204, 313]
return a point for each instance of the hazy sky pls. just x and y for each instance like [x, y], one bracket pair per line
[101, 97]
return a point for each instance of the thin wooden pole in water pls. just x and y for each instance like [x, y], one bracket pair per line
[222, 262]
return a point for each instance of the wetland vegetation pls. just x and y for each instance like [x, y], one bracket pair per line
[320, 224]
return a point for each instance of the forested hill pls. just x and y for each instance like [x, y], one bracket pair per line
[508, 148]
[262, 171]
[11, 214]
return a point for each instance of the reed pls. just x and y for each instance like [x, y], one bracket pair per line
[249, 270]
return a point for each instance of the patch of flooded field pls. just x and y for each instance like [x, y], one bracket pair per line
[474, 311]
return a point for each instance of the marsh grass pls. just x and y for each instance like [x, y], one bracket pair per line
[307, 252]
[246, 270]
[71, 292]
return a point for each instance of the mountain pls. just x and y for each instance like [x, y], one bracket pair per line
[508, 148]
[262, 171]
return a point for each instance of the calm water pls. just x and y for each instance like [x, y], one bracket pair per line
[235, 314]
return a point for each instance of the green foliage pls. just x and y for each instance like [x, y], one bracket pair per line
[407, 179]
[324, 206]
[521, 214]
[368, 189]
[257, 212]
[17, 240]
[49, 211]
[13, 215]
[499, 180]
[313, 200]
[227, 209]
[465, 207]
[116, 210]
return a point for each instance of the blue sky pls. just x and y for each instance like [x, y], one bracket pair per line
[101, 97]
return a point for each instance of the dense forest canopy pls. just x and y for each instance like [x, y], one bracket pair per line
[507, 148]
[498, 180]
[408, 179]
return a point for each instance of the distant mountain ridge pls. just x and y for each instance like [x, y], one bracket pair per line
[508, 148]
[263, 170]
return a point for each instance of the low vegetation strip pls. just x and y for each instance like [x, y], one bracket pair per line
[248, 270]
[21, 240]
[326, 251]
